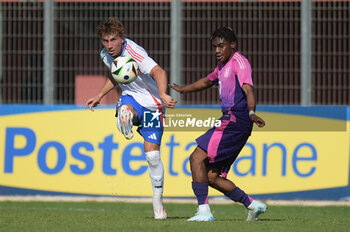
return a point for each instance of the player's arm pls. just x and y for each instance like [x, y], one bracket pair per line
[94, 101]
[201, 84]
[159, 75]
[249, 92]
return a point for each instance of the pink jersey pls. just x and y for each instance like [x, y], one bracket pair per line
[230, 77]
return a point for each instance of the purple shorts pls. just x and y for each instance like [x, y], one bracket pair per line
[223, 144]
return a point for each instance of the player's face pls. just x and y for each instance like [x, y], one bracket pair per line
[113, 43]
[223, 49]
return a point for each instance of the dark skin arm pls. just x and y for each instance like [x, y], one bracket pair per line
[205, 83]
[201, 84]
[249, 92]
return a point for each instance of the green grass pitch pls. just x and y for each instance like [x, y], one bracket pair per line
[117, 216]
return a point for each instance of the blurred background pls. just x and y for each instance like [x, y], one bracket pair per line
[299, 50]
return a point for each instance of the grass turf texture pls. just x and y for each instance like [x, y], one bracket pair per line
[97, 216]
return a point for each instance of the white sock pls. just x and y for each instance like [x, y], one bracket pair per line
[204, 207]
[156, 172]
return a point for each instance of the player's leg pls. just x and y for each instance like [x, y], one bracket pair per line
[156, 172]
[200, 185]
[228, 187]
[236, 194]
[152, 136]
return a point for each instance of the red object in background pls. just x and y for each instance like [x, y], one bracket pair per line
[87, 86]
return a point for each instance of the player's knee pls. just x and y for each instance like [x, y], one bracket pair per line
[194, 159]
[153, 157]
[212, 181]
[198, 156]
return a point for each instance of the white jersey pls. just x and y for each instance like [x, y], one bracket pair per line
[144, 89]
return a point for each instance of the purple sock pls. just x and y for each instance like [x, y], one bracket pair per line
[201, 192]
[238, 195]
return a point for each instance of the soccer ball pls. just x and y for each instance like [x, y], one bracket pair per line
[124, 70]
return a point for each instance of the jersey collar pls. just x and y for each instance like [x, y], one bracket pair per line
[125, 44]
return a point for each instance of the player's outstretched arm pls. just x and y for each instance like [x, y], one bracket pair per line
[249, 91]
[160, 78]
[95, 101]
[201, 84]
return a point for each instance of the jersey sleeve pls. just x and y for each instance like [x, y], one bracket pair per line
[146, 63]
[213, 77]
[244, 74]
[106, 58]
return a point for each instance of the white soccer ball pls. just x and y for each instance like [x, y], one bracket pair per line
[124, 70]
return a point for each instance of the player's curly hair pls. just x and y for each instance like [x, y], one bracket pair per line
[224, 32]
[110, 26]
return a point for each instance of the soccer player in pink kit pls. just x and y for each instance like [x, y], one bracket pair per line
[219, 147]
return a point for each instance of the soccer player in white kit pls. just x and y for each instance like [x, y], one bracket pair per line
[146, 94]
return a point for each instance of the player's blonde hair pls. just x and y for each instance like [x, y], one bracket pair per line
[110, 26]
